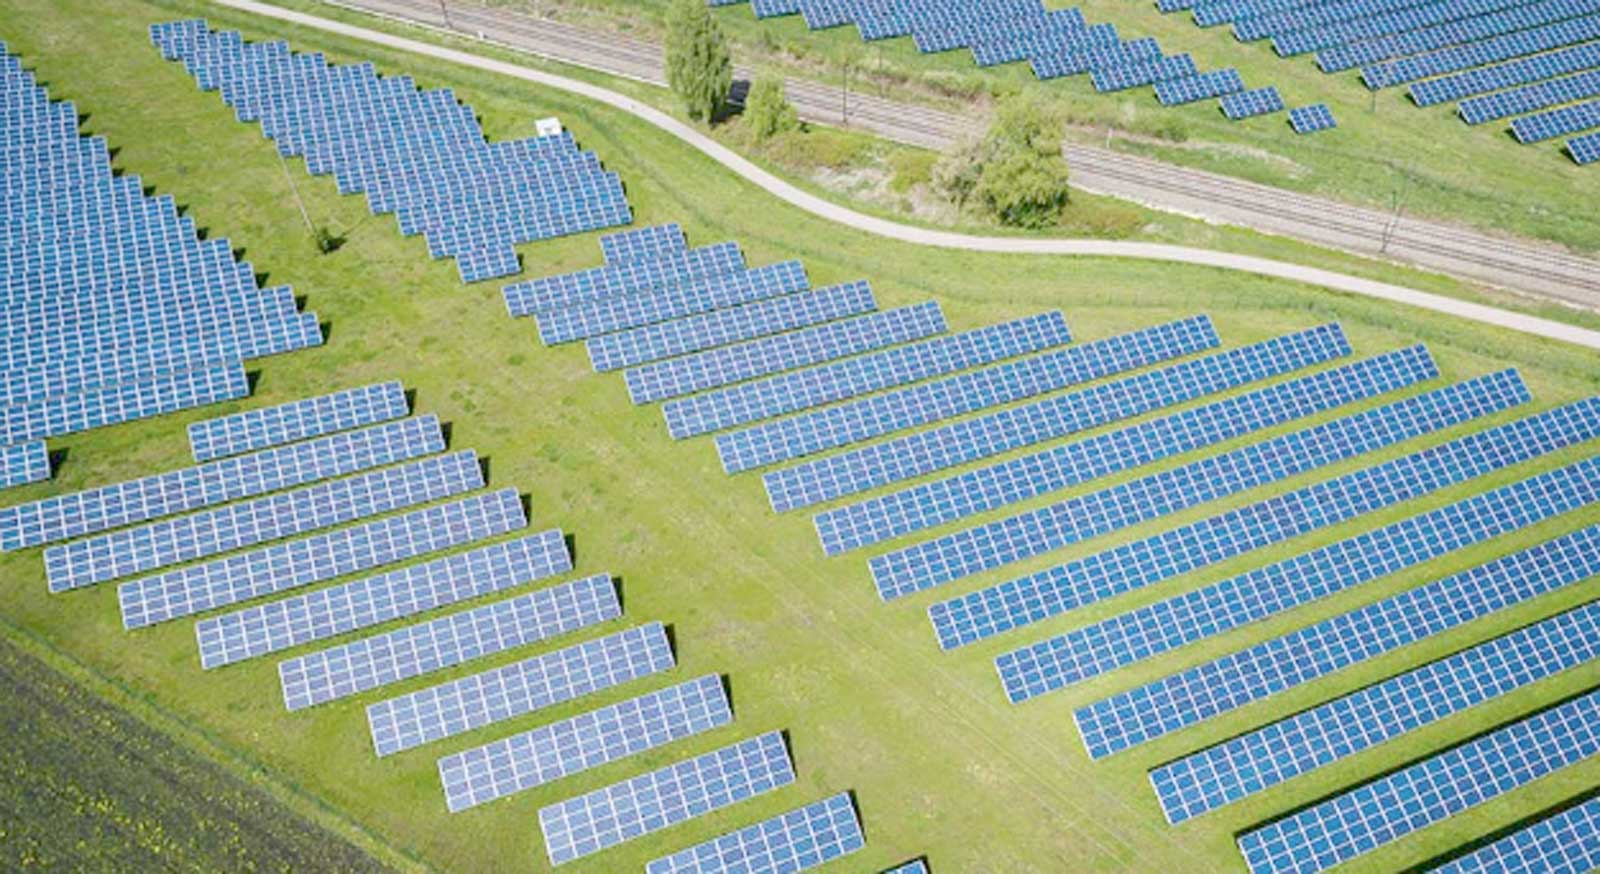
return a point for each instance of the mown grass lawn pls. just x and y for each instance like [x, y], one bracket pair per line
[940, 763]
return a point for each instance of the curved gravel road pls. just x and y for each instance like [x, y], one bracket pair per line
[921, 236]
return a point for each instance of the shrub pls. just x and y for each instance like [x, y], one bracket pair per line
[767, 112]
[1015, 172]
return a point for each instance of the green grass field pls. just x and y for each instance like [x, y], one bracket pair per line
[1385, 150]
[939, 762]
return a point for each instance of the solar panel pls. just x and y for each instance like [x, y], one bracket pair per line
[1584, 149]
[1087, 58]
[730, 364]
[24, 463]
[1480, 52]
[550, 293]
[532, 684]
[642, 243]
[279, 625]
[124, 403]
[1125, 76]
[355, 667]
[1517, 72]
[1264, 592]
[1443, 785]
[855, 421]
[196, 588]
[1309, 119]
[915, 866]
[737, 405]
[732, 324]
[934, 503]
[1083, 517]
[548, 753]
[799, 840]
[1213, 83]
[1557, 122]
[973, 439]
[1363, 719]
[620, 312]
[236, 526]
[606, 817]
[1540, 95]
[87, 512]
[298, 420]
[1562, 843]
[1357, 46]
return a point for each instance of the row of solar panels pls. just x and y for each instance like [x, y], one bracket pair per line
[1055, 43]
[115, 310]
[775, 388]
[418, 154]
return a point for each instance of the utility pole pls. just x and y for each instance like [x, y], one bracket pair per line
[844, 95]
[445, 11]
[1402, 188]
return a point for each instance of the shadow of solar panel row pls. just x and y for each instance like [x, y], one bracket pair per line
[1508, 24]
[1476, 54]
[776, 395]
[1213, 83]
[1585, 149]
[236, 526]
[477, 700]
[652, 306]
[1560, 844]
[297, 420]
[70, 414]
[1084, 517]
[994, 433]
[325, 613]
[1556, 122]
[550, 752]
[677, 793]
[1504, 104]
[361, 665]
[1248, 104]
[1441, 786]
[1033, 598]
[548, 293]
[219, 583]
[799, 840]
[1264, 592]
[642, 244]
[730, 364]
[24, 463]
[719, 327]
[930, 504]
[473, 202]
[1341, 24]
[1086, 59]
[1147, 73]
[1186, 698]
[1348, 725]
[989, 53]
[94, 510]
[1519, 72]
[813, 432]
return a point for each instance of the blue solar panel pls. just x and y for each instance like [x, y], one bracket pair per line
[1518, 72]
[550, 293]
[679, 792]
[973, 439]
[1585, 149]
[915, 866]
[1375, 39]
[1268, 591]
[1438, 787]
[199, 587]
[125, 403]
[1556, 122]
[236, 526]
[360, 665]
[298, 420]
[325, 613]
[1486, 51]
[620, 312]
[929, 504]
[1309, 119]
[730, 325]
[1247, 104]
[1214, 83]
[1123, 77]
[548, 753]
[1345, 726]
[784, 439]
[165, 494]
[730, 364]
[799, 840]
[1563, 843]
[1089, 58]
[23, 463]
[521, 687]
[1053, 526]
[1504, 104]
[492, 262]
[773, 396]
[642, 243]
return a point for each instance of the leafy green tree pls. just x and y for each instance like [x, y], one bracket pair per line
[767, 112]
[699, 67]
[1015, 172]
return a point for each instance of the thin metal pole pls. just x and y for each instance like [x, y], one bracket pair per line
[445, 11]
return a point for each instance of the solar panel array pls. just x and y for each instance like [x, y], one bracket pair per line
[550, 752]
[1440, 786]
[915, 866]
[622, 811]
[1248, 104]
[1556, 122]
[641, 244]
[477, 700]
[1215, 83]
[799, 840]
[1563, 843]
[416, 153]
[360, 665]
[549, 293]
[1363, 719]
[297, 420]
[1541, 95]
[1507, 75]
[1585, 149]
[1310, 119]
[23, 463]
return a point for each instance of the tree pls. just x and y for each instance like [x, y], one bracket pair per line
[699, 67]
[767, 112]
[1015, 172]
